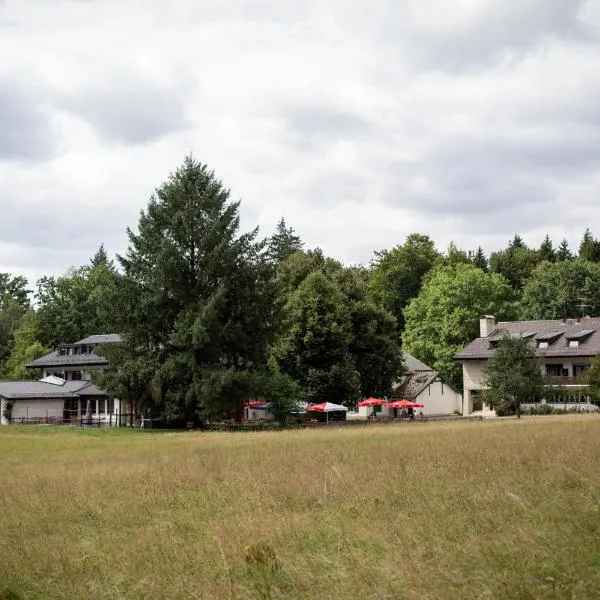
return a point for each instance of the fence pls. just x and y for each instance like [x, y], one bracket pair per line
[111, 420]
[273, 426]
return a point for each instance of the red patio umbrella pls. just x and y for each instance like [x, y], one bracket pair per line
[371, 402]
[400, 404]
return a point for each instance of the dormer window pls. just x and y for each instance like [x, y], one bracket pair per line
[574, 339]
[62, 351]
[573, 343]
[542, 343]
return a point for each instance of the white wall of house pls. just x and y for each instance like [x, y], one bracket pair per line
[2, 419]
[37, 408]
[439, 399]
[473, 374]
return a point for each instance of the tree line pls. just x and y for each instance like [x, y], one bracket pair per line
[212, 316]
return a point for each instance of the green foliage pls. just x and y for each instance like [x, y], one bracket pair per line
[397, 274]
[556, 290]
[592, 379]
[283, 243]
[563, 252]
[26, 348]
[546, 251]
[194, 304]
[479, 260]
[79, 303]
[443, 318]
[13, 288]
[374, 343]
[455, 256]
[589, 249]
[283, 393]
[11, 314]
[314, 348]
[516, 263]
[512, 375]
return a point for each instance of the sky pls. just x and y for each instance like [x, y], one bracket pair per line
[360, 123]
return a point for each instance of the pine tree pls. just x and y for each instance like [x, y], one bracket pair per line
[283, 243]
[546, 251]
[517, 242]
[563, 252]
[589, 249]
[194, 302]
[479, 260]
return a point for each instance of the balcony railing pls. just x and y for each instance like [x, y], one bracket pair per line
[563, 380]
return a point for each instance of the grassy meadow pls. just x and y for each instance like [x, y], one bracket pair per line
[496, 509]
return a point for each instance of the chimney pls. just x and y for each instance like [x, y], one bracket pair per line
[486, 325]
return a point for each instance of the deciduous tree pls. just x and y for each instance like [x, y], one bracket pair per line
[513, 376]
[397, 274]
[444, 317]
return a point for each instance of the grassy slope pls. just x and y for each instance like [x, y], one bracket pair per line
[465, 510]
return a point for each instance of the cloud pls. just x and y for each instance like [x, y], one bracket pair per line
[467, 120]
[25, 130]
[128, 110]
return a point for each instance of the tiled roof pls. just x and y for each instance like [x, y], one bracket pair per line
[412, 385]
[41, 389]
[414, 364]
[562, 330]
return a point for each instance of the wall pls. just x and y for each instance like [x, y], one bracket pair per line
[439, 399]
[37, 408]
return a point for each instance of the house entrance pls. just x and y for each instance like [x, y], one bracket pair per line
[70, 409]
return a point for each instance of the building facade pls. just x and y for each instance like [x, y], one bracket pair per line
[65, 393]
[565, 348]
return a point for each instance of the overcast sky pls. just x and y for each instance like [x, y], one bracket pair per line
[360, 122]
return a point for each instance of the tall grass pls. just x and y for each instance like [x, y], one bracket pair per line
[501, 509]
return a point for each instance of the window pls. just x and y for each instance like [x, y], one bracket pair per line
[62, 351]
[542, 344]
[110, 406]
[554, 370]
[573, 343]
[74, 375]
[579, 370]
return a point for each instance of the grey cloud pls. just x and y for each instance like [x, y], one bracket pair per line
[130, 111]
[25, 132]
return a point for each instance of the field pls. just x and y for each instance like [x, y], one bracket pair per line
[496, 509]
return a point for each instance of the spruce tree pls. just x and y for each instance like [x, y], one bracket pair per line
[546, 251]
[194, 302]
[563, 252]
[479, 260]
[283, 243]
[589, 249]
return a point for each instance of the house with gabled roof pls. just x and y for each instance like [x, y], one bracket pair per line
[65, 392]
[565, 347]
[421, 384]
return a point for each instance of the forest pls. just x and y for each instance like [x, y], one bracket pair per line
[211, 315]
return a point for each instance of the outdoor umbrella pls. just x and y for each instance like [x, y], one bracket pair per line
[327, 407]
[372, 402]
[400, 404]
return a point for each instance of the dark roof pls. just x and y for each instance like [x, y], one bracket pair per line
[55, 360]
[412, 385]
[43, 389]
[414, 364]
[105, 338]
[555, 332]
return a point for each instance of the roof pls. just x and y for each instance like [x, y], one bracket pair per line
[54, 359]
[104, 338]
[44, 389]
[410, 386]
[556, 332]
[414, 364]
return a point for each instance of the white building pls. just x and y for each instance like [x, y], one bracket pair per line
[424, 385]
[65, 393]
[565, 348]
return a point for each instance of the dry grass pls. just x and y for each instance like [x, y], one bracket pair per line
[501, 509]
